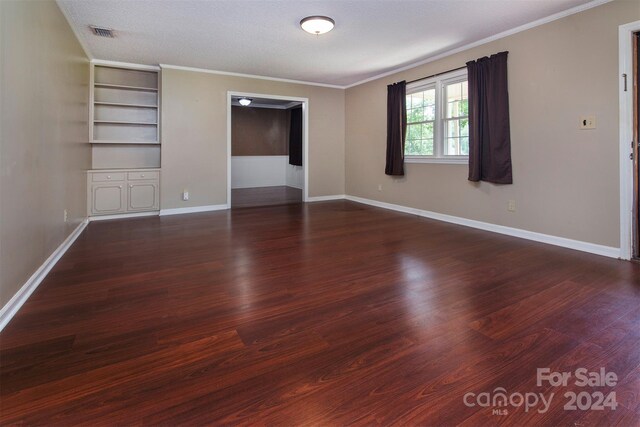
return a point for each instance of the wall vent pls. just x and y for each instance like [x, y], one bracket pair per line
[102, 32]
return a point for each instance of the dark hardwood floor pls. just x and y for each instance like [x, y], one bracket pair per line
[329, 313]
[265, 196]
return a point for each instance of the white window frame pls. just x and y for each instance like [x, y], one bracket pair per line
[439, 82]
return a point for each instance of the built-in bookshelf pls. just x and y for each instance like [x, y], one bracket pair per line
[125, 140]
[126, 106]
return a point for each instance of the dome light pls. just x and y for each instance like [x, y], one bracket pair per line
[317, 24]
[245, 101]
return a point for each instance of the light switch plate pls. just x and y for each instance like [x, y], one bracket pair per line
[587, 122]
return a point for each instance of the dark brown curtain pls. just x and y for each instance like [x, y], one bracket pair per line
[396, 127]
[489, 132]
[295, 137]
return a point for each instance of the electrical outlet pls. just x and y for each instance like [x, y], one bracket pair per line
[511, 206]
[66, 215]
[587, 122]
[379, 187]
[185, 195]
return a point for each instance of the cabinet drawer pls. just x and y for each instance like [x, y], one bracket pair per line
[107, 176]
[137, 176]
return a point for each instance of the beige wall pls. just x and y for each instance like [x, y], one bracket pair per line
[194, 135]
[566, 181]
[44, 151]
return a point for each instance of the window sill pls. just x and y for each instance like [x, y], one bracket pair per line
[438, 160]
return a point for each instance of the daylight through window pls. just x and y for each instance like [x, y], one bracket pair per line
[438, 119]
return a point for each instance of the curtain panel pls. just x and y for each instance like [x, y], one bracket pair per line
[295, 136]
[396, 128]
[489, 130]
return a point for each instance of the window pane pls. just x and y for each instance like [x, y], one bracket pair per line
[415, 115]
[419, 140]
[414, 132]
[453, 146]
[412, 147]
[456, 99]
[430, 104]
[427, 130]
[464, 127]
[417, 99]
[464, 146]
[421, 106]
[453, 128]
[427, 147]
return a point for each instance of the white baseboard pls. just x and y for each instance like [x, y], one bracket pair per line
[122, 216]
[325, 198]
[578, 245]
[11, 308]
[193, 209]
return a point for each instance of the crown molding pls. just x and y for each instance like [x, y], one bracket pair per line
[249, 76]
[528, 26]
[533, 24]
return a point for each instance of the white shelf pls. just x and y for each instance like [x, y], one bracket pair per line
[125, 117]
[118, 122]
[119, 104]
[125, 87]
[124, 142]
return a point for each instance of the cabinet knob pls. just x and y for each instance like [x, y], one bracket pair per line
[130, 185]
[142, 175]
[119, 186]
[108, 176]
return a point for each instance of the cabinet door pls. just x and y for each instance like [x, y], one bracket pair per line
[108, 198]
[143, 196]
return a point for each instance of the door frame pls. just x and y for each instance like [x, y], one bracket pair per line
[305, 136]
[625, 57]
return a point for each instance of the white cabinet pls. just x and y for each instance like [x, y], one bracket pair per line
[113, 192]
[142, 196]
[108, 198]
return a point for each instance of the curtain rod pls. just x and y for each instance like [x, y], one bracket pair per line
[436, 74]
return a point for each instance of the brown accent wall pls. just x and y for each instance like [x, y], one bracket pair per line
[259, 132]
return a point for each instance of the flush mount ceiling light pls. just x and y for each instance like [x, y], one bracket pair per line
[317, 24]
[245, 101]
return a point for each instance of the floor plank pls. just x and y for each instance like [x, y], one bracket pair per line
[265, 196]
[328, 313]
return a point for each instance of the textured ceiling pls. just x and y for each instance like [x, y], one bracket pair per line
[264, 38]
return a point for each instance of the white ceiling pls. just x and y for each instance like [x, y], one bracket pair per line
[263, 37]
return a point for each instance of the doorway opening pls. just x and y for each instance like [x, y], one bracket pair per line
[267, 150]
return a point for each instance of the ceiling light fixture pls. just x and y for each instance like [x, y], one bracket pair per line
[317, 24]
[245, 101]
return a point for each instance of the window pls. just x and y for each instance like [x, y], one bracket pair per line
[438, 120]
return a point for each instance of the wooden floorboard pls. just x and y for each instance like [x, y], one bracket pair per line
[265, 196]
[330, 313]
